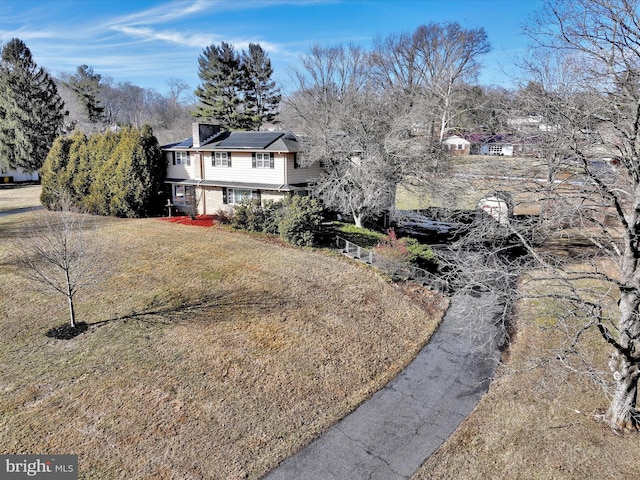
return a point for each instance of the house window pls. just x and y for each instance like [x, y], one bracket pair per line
[181, 158]
[460, 146]
[221, 159]
[262, 160]
[495, 149]
[184, 195]
[238, 195]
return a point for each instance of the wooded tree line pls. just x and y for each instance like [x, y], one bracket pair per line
[376, 118]
[113, 173]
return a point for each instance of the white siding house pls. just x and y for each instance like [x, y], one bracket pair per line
[17, 176]
[215, 170]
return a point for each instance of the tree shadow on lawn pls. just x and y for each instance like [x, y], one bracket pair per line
[184, 312]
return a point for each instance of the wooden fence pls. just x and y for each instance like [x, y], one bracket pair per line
[396, 270]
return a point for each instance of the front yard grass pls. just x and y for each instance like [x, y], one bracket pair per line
[19, 196]
[209, 354]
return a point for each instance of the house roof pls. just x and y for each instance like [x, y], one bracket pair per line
[248, 141]
[456, 138]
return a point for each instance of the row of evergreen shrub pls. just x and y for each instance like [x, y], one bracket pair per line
[112, 173]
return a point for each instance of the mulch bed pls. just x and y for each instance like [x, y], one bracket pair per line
[199, 221]
[67, 332]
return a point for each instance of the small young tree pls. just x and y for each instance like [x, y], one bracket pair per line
[57, 254]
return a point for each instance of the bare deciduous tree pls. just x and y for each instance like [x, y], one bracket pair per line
[359, 133]
[57, 254]
[430, 65]
[597, 114]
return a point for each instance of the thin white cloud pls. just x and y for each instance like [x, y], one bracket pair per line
[169, 12]
[177, 38]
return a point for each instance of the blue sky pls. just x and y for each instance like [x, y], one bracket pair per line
[147, 42]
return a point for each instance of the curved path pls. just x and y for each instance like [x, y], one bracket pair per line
[389, 436]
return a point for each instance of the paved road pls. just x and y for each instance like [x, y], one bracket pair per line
[392, 434]
[19, 210]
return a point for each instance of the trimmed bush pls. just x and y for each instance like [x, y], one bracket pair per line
[300, 224]
[118, 174]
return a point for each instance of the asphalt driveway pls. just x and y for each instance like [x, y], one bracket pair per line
[392, 434]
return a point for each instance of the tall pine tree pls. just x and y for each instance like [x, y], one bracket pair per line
[31, 111]
[237, 90]
[86, 85]
[220, 92]
[261, 96]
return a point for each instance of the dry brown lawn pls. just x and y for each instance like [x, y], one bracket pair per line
[468, 179]
[210, 353]
[20, 196]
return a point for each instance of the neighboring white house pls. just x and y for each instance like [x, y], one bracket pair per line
[17, 176]
[458, 145]
[503, 149]
[216, 170]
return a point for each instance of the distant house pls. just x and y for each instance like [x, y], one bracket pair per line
[215, 170]
[502, 149]
[507, 145]
[458, 145]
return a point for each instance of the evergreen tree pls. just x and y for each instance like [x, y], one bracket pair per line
[151, 170]
[261, 95]
[237, 90]
[88, 164]
[53, 187]
[31, 111]
[77, 151]
[219, 70]
[86, 85]
[101, 150]
[130, 181]
[124, 188]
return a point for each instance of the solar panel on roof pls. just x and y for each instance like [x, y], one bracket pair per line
[185, 143]
[250, 139]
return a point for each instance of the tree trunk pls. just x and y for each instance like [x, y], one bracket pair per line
[622, 412]
[357, 219]
[72, 313]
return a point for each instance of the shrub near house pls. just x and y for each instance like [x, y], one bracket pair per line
[296, 219]
[119, 174]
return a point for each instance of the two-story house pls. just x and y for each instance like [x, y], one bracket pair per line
[216, 170]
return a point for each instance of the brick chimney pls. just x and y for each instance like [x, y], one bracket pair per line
[203, 132]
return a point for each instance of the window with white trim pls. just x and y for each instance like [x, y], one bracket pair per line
[263, 160]
[239, 195]
[181, 158]
[184, 195]
[221, 159]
